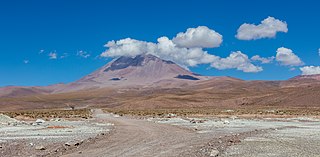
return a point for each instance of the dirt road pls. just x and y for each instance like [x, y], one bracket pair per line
[133, 137]
[237, 137]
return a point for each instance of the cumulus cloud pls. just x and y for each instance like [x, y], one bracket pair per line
[263, 60]
[310, 70]
[236, 60]
[267, 29]
[83, 54]
[53, 55]
[189, 55]
[26, 61]
[201, 37]
[128, 47]
[286, 57]
[165, 49]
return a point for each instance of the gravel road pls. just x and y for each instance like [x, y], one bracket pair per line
[133, 137]
[174, 137]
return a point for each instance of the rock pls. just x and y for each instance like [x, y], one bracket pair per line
[170, 115]
[197, 121]
[73, 143]
[234, 117]
[226, 122]
[40, 147]
[78, 143]
[57, 119]
[67, 144]
[214, 153]
[40, 121]
[193, 121]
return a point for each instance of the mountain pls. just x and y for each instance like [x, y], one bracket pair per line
[148, 71]
[141, 70]
[307, 77]
[146, 81]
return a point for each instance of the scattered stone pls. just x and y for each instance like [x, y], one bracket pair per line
[214, 153]
[197, 121]
[40, 147]
[226, 122]
[170, 115]
[234, 117]
[56, 119]
[73, 143]
[68, 144]
[40, 121]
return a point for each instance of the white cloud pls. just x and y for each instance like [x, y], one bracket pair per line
[236, 60]
[41, 51]
[26, 61]
[53, 55]
[286, 57]
[310, 70]
[319, 51]
[188, 56]
[168, 50]
[128, 47]
[164, 49]
[263, 60]
[201, 37]
[83, 54]
[267, 29]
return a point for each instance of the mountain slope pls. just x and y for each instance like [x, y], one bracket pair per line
[307, 77]
[142, 70]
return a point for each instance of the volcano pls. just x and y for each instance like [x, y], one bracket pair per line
[141, 70]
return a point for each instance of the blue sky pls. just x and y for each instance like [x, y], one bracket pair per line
[69, 27]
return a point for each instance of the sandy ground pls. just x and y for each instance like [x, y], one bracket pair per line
[174, 136]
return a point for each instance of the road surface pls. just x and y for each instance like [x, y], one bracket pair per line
[134, 137]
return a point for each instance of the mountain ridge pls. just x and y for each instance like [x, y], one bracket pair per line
[141, 71]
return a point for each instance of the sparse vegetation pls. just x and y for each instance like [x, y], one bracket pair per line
[218, 112]
[47, 114]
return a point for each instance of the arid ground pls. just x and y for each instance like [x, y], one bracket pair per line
[97, 132]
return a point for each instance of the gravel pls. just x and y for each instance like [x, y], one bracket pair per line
[37, 138]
